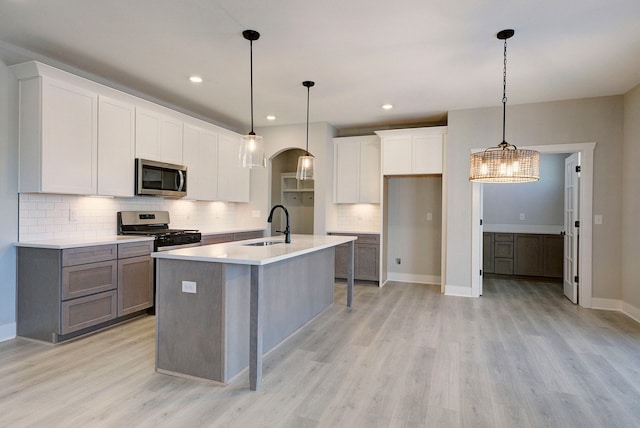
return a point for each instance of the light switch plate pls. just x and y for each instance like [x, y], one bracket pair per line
[189, 287]
[597, 219]
[429, 216]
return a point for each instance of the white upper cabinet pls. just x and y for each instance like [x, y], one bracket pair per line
[357, 170]
[116, 128]
[413, 151]
[233, 179]
[58, 134]
[158, 136]
[200, 155]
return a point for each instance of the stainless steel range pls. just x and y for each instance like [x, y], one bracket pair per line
[156, 223]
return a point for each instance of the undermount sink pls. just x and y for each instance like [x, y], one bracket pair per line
[263, 243]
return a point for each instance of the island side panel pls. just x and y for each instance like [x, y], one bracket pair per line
[237, 298]
[190, 327]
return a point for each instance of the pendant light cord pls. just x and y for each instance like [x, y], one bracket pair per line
[308, 90]
[251, 77]
[504, 93]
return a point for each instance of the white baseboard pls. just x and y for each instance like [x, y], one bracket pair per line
[616, 305]
[410, 277]
[457, 290]
[7, 331]
[631, 311]
[606, 304]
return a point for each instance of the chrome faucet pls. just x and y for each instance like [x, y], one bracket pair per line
[287, 230]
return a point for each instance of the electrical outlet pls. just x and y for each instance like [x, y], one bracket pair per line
[398, 260]
[597, 219]
[521, 216]
[73, 216]
[189, 287]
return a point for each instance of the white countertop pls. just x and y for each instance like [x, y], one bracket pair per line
[238, 253]
[61, 244]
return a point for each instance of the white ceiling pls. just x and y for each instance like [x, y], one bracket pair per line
[426, 57]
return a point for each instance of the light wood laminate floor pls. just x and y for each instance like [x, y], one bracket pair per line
[404, 356]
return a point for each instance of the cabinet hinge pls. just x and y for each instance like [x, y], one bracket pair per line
[576, 279]
[578, 168]
[480, 272]
[480, 222]
[577, 223]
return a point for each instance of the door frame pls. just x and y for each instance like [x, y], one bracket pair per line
[585, 266]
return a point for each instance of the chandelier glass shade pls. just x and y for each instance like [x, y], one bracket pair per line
[504, 163]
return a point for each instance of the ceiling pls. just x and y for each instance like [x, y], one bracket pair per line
[425, 57]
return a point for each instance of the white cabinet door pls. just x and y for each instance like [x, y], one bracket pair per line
[116, 147]
[427, 154]
[170, 149]
[357, 170]
[346, 164]
[148, 126]
[233, 179]
[58, 137]
[200, 155]
[396, 155]
[158, 137]
[369, 177]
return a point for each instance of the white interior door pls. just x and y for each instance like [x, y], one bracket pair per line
[571, 228]
[481, 234]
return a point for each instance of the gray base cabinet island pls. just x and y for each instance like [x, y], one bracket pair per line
[221, 307]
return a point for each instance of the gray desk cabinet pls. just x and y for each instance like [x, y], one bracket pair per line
[523, 254]
[366, 257]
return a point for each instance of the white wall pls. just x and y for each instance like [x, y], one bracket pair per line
[541, 202]
[575, 121]
[8, 201]
[631, 202]
[411, 235]
[280, 138]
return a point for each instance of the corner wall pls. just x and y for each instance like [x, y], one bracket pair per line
[631, 204]
[597, 120]
[8, 201]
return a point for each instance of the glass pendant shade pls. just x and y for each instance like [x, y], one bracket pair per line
[252, 152]
[305, 167]
[505, 164]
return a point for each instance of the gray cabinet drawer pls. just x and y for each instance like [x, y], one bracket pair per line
[217, 239]
[135, 249]
[253, 234]
[503, 237]
[503, 249]
[368, 239]
[82, 255]
[88, 311]
[92, 278]
[503, 266]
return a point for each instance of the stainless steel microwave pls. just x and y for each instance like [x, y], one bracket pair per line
[160, 179]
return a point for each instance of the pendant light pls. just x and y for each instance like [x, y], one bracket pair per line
[252, 148]
[305, 163]
[505, 163]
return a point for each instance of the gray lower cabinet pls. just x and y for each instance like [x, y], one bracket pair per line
[65, 293]
[135, 277]
[525, 254]
[366, 257]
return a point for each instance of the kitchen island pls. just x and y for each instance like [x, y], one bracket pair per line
[220, 307]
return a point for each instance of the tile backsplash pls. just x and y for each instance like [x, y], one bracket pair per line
[47, 216]
[358, 217]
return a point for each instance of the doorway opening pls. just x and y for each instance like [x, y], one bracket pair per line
[297, 196]
[583, 253]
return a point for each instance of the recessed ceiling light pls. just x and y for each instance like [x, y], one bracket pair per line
[271, 117]
[195, 79]
[387, 106]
